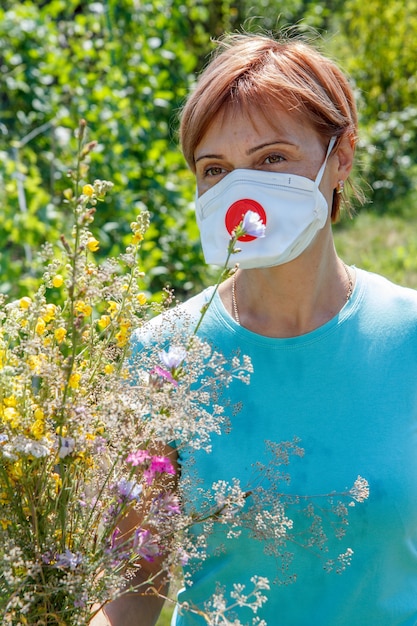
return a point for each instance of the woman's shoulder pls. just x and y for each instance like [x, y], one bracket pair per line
[384, 288]
[181, 319]
[387, 299]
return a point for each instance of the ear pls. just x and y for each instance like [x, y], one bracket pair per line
[344, 154]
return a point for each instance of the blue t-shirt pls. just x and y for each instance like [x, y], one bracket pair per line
[348, 391]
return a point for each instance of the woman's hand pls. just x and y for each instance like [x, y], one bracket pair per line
[99, 619]
[141, 608]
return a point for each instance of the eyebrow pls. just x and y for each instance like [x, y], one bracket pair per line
[208, 156]
[268, 144]
[248, 152]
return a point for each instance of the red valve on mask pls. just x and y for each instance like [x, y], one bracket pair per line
[236, 212]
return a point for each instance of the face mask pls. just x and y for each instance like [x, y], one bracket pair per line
[291, 207]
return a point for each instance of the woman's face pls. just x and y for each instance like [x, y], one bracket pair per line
[241, 141]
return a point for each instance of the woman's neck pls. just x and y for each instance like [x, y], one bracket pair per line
[292, 299]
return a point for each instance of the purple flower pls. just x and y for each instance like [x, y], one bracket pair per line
[128, 489]
[68, 559]
[253, 225]
[165, 505]
[173, 357]
[66, 446]
[117, 550]
[81, 601]
[100, 445]
[183, 556]
[47, 557]
[113, 538]
[145, 544]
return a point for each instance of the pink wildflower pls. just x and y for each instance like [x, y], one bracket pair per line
[138, 457]
[158, 465]
[163, 373]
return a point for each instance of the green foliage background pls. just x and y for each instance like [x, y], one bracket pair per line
[126, 67]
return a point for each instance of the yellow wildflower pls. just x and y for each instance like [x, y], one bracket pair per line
[60, 334]
[137, 237]
[25, 302]
[123, 335]
[121, 339]
[83, 308]
[57, 281]
[35, 361]
[109, 368]
[74, 381]
[38, 428]
[11, 416]
[84, 459]
[49, 313]
[9, 401]
[104, 321]
[101, 429]
[88, 190]
[58, 482]
[92, 244]
[5, 523]
[40, 326]
[4, 499]
[112, 307]
[16, 471]
[142, 299]
[38, 413]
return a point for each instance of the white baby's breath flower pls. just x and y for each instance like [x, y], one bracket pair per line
[360, 489]
[29, 447]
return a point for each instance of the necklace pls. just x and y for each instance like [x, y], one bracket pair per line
[234, 301]
[349, 291]
[350, 282]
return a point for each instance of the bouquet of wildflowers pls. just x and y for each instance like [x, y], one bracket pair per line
[84, 428]
[78, 440]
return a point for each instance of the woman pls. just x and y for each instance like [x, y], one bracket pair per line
[271, 128]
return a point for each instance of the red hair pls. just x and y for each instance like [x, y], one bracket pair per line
[250, 71]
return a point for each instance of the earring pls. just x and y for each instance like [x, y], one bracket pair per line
[340, 186]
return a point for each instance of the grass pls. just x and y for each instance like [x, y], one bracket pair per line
[165, 617]
[386, 245]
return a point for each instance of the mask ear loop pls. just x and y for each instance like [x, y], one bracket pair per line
[323, 167]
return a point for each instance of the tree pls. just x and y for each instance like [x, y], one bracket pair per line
[377, 44]
[125, 67]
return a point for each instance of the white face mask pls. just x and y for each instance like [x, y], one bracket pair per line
[292, 208]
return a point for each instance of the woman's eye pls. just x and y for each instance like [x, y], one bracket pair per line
[274, 158]
[213, 171]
